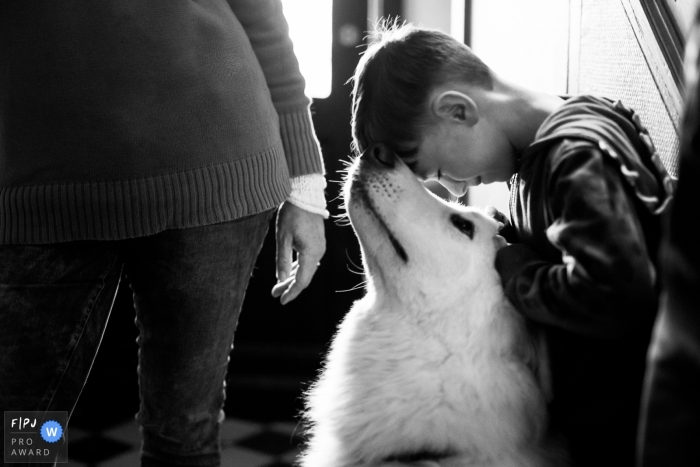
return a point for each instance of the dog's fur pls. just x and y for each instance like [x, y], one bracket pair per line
[433, 367]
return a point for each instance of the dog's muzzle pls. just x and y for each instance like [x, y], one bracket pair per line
[375, 159]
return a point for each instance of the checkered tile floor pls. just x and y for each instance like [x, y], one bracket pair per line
[245, 444]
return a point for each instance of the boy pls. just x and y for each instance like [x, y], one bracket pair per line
[586, 192]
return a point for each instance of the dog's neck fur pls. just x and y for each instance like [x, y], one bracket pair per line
[476, 308]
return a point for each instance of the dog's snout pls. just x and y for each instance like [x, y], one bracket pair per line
[382, 154]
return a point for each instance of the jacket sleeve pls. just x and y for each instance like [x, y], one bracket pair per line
[268, 32]
[605, 283]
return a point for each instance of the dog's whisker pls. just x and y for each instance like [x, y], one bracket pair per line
[358, 269]
[299, 426]
[342, 220]
[359, 272]
[353, 288]
[347, 163]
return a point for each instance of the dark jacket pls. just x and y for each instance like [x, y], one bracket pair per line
[585, 205]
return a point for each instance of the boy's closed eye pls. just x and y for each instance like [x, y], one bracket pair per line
[422, 175]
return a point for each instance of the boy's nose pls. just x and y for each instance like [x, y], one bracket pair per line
[382, 154]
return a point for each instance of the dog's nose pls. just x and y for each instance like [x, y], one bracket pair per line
[381, 154]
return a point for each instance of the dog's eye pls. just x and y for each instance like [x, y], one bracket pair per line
[464, 225]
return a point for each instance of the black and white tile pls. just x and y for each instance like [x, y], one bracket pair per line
[245, 443]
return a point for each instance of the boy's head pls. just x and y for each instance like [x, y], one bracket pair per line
[406, 81]
[396, 74]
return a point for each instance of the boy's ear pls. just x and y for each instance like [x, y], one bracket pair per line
[455, 106]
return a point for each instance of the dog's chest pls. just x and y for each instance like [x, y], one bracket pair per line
[417, 352]
[463, 382]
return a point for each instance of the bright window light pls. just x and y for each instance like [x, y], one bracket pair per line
[457, 8]
[526, 42]
[311, 31]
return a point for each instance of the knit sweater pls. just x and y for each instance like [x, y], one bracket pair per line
[122, 118]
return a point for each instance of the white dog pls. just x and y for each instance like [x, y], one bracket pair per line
[433, 367]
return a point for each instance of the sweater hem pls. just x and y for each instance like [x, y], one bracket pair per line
[116, 210]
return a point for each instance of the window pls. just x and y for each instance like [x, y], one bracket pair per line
[311, 31]
[525, 42]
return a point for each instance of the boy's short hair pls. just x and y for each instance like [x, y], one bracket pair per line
[393, 79]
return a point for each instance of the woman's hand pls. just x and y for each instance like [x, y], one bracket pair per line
[301, 231]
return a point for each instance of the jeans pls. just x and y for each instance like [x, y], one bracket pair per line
[188, 287]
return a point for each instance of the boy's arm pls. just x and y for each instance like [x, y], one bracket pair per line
[606, 283]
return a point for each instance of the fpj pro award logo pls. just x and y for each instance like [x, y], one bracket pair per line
[35, 437]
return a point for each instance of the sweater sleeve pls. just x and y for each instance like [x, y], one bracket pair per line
[605, 282]
[268, 32]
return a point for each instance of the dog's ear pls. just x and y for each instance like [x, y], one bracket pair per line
[455, 106]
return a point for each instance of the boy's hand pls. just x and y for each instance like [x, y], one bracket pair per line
[507, 231]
